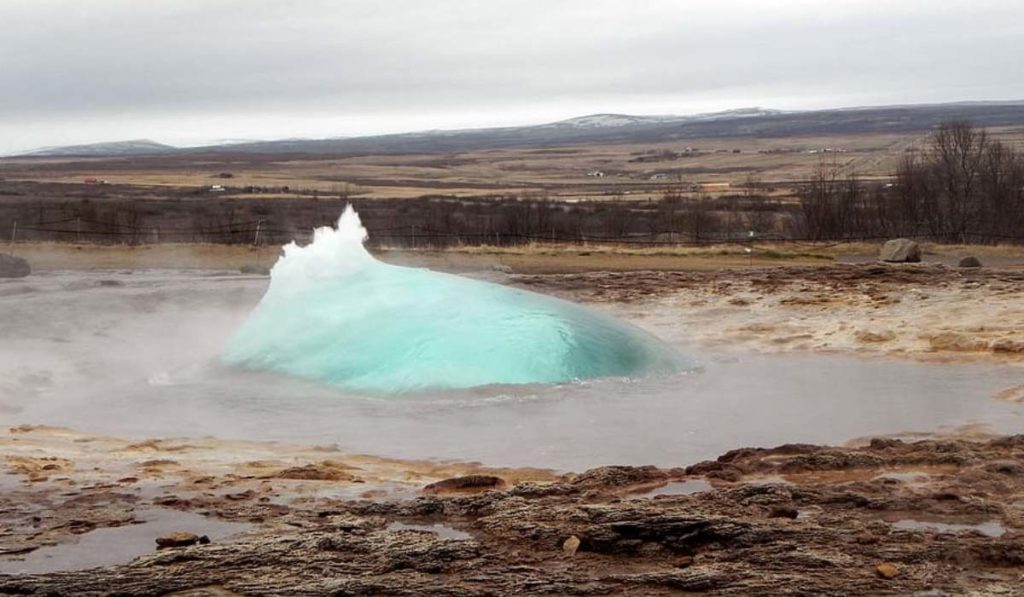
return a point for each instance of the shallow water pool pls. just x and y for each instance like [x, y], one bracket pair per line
[139, 359]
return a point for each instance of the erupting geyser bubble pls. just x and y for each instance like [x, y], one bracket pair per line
[334, 313]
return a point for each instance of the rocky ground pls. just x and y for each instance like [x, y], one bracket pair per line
[931, 517]
[930, 312]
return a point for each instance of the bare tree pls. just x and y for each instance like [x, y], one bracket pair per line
[958, 150]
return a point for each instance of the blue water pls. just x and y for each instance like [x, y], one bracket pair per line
[335, 314]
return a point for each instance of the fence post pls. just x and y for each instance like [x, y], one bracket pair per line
[256, 239]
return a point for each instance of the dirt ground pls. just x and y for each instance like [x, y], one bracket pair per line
[929, 312]
[527, 259]
[531, 259]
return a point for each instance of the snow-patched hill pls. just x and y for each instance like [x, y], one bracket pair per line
[612, 120]
[618, 120]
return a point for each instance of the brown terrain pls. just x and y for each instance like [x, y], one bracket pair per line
[559, 171]
[944, 516]
[642, 170]
[929, 311]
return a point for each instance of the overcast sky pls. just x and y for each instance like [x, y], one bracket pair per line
[193, 71]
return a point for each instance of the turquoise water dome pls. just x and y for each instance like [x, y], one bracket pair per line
[335, 314]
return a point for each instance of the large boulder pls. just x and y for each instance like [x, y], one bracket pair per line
[970, 261]
[900, 250]
[13, 267]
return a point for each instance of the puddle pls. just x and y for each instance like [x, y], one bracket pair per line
[119, 545]
[436, 528]
[989, 528]
[687, 487]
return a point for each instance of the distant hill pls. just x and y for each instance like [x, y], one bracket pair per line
[112, 148]
[605, 128]
[593, 121]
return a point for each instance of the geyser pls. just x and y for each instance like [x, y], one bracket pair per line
[333, 313]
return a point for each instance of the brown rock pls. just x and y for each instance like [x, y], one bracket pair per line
[886, 570]
[13, 267]
[618, 476]
[1006, 467]
[179, 539]
[783, 512]
[321, 471]
[900, 250]
[1008, 346]
[684, 562]
[882, 443]
[872, 337]
[468, 483]
[727, 473]
[570, 545]
[954, 342]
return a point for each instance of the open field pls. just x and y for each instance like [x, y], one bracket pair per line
[639, 170]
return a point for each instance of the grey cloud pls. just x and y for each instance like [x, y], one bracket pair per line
[101, 60]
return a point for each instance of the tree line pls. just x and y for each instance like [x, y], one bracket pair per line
[963, 187]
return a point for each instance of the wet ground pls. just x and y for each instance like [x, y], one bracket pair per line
[890, 518]
[266, 467]
[117, 545]
[137, 355]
